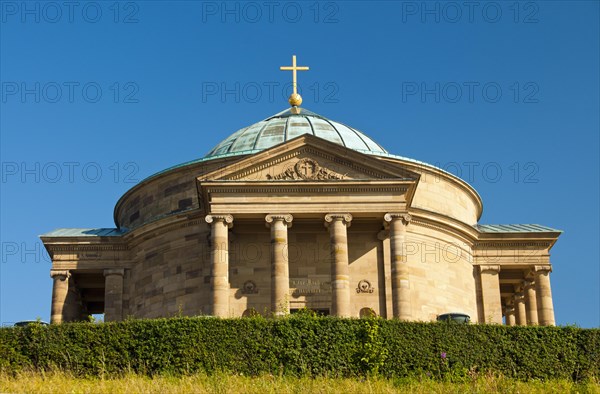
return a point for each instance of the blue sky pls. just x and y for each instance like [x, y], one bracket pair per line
[97, 96]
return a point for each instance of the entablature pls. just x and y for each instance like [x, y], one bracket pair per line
[369, 198]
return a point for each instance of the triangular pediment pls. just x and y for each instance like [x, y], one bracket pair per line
[309, 158]
[307, 177]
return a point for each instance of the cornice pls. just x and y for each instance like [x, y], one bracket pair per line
[333, 186]
[430, 169]
[444, 223]
[62, 247]
[379, 190]
[346, 163]
[307, 144]
[511, 244]
[514, 239]
[254, 169]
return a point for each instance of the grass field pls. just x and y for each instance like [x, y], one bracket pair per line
[57, 382]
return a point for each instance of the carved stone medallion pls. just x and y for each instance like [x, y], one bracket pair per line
[249, 288]
[364, 286]
[306, 169]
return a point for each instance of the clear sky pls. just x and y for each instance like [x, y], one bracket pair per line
[97, 96]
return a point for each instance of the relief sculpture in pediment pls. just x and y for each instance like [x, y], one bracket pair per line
[306, 169]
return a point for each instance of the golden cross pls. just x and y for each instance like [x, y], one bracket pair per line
[293, 68]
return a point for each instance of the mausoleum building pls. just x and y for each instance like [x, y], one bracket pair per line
[301, 211]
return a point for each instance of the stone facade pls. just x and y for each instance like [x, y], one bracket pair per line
[305, 223]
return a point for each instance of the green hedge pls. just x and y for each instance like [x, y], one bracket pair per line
[303, 346]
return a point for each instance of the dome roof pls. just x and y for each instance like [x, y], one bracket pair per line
[285, 126]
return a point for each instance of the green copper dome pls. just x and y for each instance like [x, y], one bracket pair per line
[285, 126]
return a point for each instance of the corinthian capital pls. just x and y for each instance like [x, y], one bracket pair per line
[285, 218]
[227, 219]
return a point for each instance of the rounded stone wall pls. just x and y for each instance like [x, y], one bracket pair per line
[170, 247]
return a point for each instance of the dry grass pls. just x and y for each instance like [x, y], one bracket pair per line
[58, 382]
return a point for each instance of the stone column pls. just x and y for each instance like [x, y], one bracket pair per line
[544, 295]
[113, 294]
[340, 272]
[490, 291]
[401, 304]
[60, 288]
[219, 264]
[520, 310]
[509, 313]
[73, 309]
[385, 277]
[530, 303]
[280, 272]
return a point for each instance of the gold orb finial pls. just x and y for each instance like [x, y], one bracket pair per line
[295, 100]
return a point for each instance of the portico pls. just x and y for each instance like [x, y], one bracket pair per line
[522, 263]
[242, 194]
